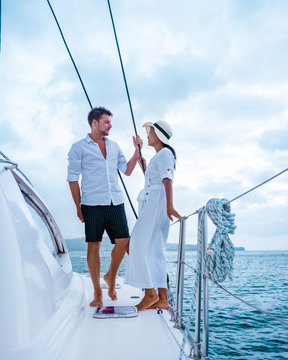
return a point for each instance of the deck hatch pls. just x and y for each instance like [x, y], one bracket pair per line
[109, 312]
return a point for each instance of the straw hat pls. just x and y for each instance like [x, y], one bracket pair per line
[162, 129]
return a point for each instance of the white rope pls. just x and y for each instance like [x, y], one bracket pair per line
[218, 260]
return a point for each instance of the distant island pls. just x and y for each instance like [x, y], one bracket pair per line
[80, 244]
[192, 247]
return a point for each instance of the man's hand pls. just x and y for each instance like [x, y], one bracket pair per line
[137, 141]
[75, 191]
[79, 214]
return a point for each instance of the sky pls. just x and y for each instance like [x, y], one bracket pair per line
[215, 70]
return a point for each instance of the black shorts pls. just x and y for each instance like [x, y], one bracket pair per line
[111, 218]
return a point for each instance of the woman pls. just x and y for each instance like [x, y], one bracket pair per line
[146, 267]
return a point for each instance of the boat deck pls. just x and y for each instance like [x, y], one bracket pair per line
[143, 337]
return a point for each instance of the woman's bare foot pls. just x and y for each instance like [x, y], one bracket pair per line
[98, 299]
[149, 299]
[111, 286]
[161, 304]
[163, 300]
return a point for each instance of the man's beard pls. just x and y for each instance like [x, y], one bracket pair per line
[105, 132]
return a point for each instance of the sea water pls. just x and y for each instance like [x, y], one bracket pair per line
[236, 331]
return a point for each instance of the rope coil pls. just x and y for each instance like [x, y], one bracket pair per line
[218, 260]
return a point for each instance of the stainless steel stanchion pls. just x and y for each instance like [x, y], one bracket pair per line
[205, 297]
[197, 338]
[180, 275]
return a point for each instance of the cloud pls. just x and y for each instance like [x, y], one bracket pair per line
[274, 139]
[216, 71]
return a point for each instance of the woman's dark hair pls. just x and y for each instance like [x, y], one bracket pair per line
[96, 113]
[172, 150]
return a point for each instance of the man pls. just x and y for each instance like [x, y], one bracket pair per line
[100, 203]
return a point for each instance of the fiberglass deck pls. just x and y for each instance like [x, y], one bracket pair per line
[141, 338]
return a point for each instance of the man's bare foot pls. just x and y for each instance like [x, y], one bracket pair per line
[111, 286]
[98, 299]
[147, 302]
[161, 304]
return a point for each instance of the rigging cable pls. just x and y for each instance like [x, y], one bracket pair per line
[87, 97]
[255, 187]
[246, 192]
[125, 81]
[71, 57]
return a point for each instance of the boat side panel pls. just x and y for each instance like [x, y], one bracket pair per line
[38, 280]
[14, 315]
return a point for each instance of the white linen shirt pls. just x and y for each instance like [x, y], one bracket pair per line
[99, 183]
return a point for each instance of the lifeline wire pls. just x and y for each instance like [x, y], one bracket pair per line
[84, 89]
[124, 78]
[252, 306]
[231, 227]
[246, 192]
[238, 298]
[255, 187]
[182, 352]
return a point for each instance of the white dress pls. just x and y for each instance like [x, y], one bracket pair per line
[146, 265]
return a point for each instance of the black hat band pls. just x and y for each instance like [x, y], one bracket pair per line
[162, 131]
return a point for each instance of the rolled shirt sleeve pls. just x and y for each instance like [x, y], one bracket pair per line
[166, 163]
[74, 163]
[121, 163]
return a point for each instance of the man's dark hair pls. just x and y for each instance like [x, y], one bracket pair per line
[96, 114]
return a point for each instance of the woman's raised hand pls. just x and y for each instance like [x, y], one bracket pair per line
[140, 160]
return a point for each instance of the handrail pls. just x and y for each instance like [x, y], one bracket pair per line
[197, 351]
[14, 165]
[198, 289]
[205, 295]
[180, 275]
[201, 288]
[37, 204]
[202, 283]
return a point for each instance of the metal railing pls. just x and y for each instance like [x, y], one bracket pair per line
[180, 276]
[12, 165]
[199, 350]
